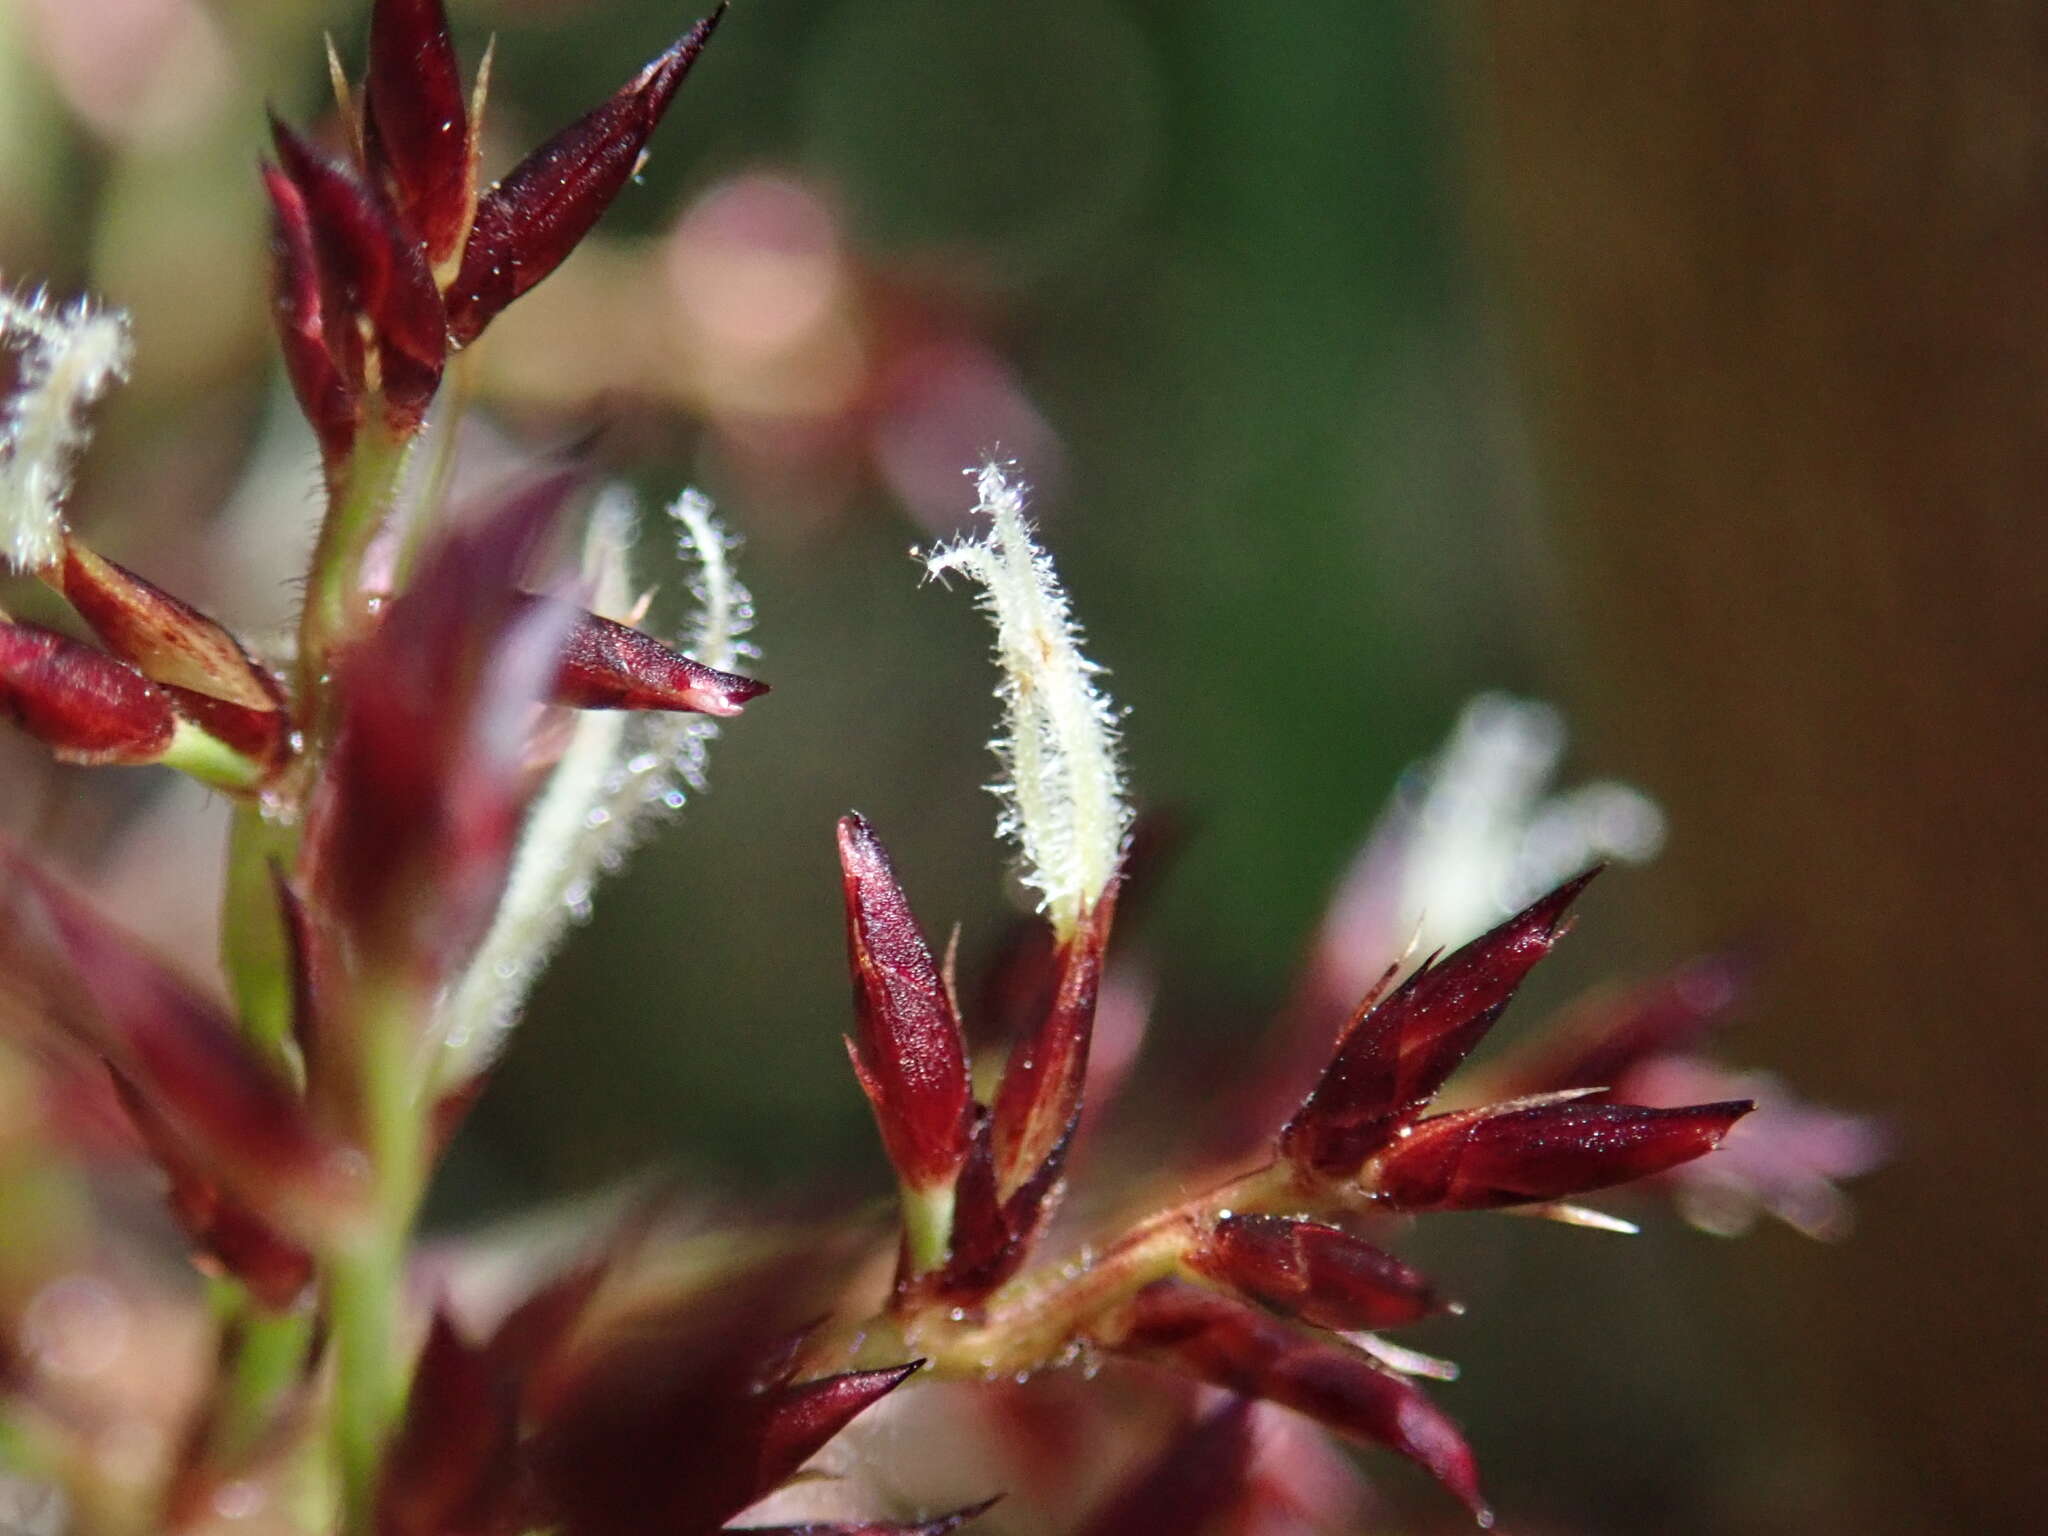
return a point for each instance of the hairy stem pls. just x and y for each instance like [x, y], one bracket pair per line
[336, 603]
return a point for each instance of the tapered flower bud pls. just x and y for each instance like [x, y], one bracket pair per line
[1314, 1272]
[417, 133]
[167, 640]
[1528, 1151]
[530, 221]
[907, 1051]
[370, 271]
[80, 702]
[1227, 1344]
[328, 391]
[607, 665]
[1398, 1052]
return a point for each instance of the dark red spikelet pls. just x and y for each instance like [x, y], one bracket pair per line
[1200, 1482]
[676, 1421]
[81, 703]
[1227, 1344]
[412, 827]
[1039, 1097]
[796, 1421]
[607, 665]
[226, 1235]
[938, 1525]
[908, 1052]
[1522, 1152]
[326, 390]
[416, 123]
[530, 221]
[454, 1465]
[1399, 1051]
[168, 640]
[239, 1122]
[1315, 1272]
[369, 270]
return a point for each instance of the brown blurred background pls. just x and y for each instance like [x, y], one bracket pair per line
[1681, 362]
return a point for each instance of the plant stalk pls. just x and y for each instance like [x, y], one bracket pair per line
[366, 1279]
[337, 602]
[1036, 1319]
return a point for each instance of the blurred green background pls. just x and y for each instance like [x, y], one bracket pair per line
[1364, 356]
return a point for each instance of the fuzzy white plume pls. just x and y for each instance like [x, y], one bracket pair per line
[619, 774]
[67, 357]
[1063, 787]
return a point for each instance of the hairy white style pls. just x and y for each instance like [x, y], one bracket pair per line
[1062, 788]
[620, 772]
[67, 356]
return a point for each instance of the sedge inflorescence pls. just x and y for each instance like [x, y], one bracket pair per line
[468, 732]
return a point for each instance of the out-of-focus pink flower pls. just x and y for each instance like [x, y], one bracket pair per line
[1788, 1159]
[789, 343]
[816, 369]
[137, 71]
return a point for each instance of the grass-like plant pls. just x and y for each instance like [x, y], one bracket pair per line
[466, 735]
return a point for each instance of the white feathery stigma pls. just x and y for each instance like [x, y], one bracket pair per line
[1062, 788]
[67, 356]
[620, 773]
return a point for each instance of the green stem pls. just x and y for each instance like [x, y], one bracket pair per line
[927, 1226]
[195, 751]
[458, 387]
[254, 952]
[336, 604]
[363, 1301]
[366, 1279]
[263, 1354]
